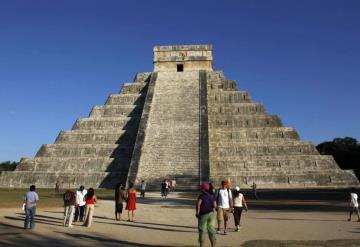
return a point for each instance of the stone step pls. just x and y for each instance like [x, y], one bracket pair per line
[134, 88]
[116, 111]
[76, 137]
[23, 179]
[74, 164]
[271, 164]
[229, 96]
[254, 134]
[126, 99]
[308, 179]
[142, 77]
[215, 76]
[249, 150]
[226, 85]
[236, 109]
[106, 123]
[84, 150]
[246, 121]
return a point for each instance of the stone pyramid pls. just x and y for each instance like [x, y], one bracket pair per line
[186, 122]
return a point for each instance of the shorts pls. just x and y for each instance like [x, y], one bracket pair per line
[223, 214]
[206, 225]
[118, 208]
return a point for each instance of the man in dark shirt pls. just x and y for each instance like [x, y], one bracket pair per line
[69, 203]
[206, 217]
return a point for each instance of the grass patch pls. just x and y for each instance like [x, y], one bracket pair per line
[293, 243]
[13, 198]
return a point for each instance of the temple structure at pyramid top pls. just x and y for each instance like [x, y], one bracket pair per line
[183, 121]
[183, 58]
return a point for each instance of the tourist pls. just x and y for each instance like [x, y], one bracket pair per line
[164, 189]
[205, 213]
[224, 205]
[80, 204]
[239, 204]
[354, 205]
[131, 201]
[57, 187]
[119, 200]
[142, 189]
[253, 186]
[90, 199]
[30, 199]
[69, 203]
[172, 185]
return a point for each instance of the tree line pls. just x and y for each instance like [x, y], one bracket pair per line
[346, 152]
[8, 165]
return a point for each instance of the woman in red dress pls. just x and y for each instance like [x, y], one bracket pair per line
[131, 201]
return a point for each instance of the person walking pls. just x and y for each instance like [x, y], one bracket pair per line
[205, 213]
[30, 199]
[131, 201]
[354, 205]
[80, 204]
[57, 187]
[239, 204]
[164, 189]
[253, 186]
[69, 203]
[90, 199]
[224, 205]
[142, 189]
[119, 200]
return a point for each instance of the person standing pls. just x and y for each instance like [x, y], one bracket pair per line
[205, 213]
[254, 190]
[30, 199]
[354, 205]
[57, 187]
[90, 199]
[224, 205]
[119, 199]
[69, 202]
[142, 189]
[239, 204]
[131, 201]
[164, 189]
[80, 204]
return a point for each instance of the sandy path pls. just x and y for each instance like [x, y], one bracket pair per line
[170, 222]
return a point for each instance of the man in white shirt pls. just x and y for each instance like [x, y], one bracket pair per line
[80, 204]
[224, 205]
[354, 205]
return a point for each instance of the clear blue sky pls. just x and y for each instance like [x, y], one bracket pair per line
[301, 59]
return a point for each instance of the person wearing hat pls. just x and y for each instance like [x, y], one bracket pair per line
[239, 204]
[205, 213]
[224, 205]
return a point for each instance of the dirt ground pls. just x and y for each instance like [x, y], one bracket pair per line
[172, 222]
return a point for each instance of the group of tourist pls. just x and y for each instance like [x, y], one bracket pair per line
[224, 201]
[167, 186]
[79, 206]
[128, 196]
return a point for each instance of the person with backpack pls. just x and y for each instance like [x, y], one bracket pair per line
[69, 204]
[224, 205]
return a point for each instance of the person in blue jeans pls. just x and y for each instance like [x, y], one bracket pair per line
[30, 199]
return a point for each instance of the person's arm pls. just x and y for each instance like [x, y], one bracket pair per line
[95, 199]
[198, 203]
[244, 203]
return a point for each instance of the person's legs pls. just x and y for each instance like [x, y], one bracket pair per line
[350, 214]
[129, 215]
[77, 212]
[211, 222]
[357, 213]
[240, 213]
[133, 214]
[226, 219]
[220, 218]
[202, 226]
[82, 212]
[71, 215]
[27, 218]
[32, 217]
[66, 212]
[86, 220]
[236, 217]
[90, 215]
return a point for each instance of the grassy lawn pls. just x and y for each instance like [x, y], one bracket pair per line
[292, 243]
[11, 198]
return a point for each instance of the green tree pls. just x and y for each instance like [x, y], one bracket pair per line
[8, 165]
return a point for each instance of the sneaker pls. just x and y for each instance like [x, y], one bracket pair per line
[218, 232]
[225, 232]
